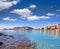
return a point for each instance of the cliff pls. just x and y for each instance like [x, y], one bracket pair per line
[52, 27]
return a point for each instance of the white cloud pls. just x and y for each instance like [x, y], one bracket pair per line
[50, 14]
[26, 13]
[14, 2]
[44, 17]
[23, 12]
[30, 18]
[37, 17]
[32, 6]
[9, 19]
[5, 4]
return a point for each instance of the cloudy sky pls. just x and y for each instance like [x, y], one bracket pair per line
[33, 13]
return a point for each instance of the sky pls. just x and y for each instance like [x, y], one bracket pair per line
[32, 13]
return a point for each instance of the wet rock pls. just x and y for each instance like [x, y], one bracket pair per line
[1, 43]
[1, 34]
[11, 36]
[5, 35]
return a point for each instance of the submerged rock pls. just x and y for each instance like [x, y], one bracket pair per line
[26, 46]
[23, 43]
[11, 36]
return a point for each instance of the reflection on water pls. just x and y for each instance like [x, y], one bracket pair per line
[44, 39]
[52, 33]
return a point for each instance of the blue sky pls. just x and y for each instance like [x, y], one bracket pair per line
[33, 13]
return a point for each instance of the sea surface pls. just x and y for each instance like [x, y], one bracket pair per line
[42, 39]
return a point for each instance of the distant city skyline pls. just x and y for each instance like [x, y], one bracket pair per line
[32, 13]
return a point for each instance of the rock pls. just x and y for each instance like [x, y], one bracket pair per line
[11, 36]
[1, 43]
[1, 34]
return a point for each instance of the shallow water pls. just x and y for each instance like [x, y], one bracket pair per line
[42, 39]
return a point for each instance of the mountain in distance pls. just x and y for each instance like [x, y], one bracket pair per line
[51, 27]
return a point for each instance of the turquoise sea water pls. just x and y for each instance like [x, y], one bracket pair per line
[42, 39]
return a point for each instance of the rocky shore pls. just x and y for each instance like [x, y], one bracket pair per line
[23, 43]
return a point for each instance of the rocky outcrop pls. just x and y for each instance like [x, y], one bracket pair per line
[22, 28]
[52, 27]
[1, 43]
[55, 26]
[58, 26]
